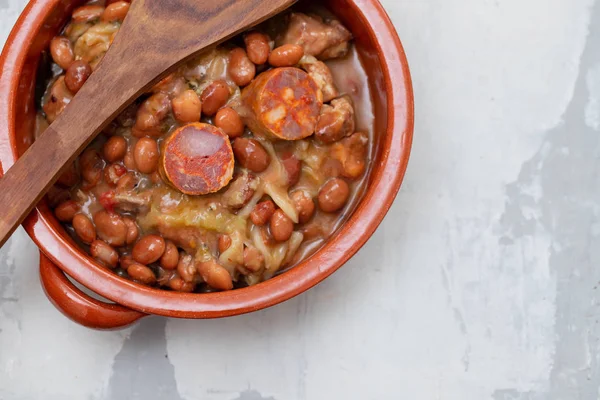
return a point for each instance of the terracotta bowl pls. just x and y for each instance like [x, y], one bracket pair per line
[389, 78]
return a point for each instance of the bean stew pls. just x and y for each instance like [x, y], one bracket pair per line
[238, 165]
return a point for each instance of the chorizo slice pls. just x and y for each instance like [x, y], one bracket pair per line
[197, 159]
[282, 103]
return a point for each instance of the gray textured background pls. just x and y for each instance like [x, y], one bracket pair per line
[480, 284]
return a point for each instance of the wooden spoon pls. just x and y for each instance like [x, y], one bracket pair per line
[156, 36]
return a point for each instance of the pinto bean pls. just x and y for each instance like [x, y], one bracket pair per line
[76, 75]
[129, 160]
[66, 211]
[87, 13]
[115, 148]
[132, 230]
[214, 97]
[251, 154]
[170, 257]
[61, 51]
[70, 177]
[186, 268]
[262, 213]
[104, 253]
[253, 259]
[127, 182]
[126, 261]
[179, 285]
[111, 228]
[187, 107]
[241, 69]
[257, 47]
[84, 228]
[333, 195]
[91, 165]
[148, 249]
[292, 166]
[224, 243]
[142, 274]
[115, 11]
[230, 122]
[304, 205]
[281, 226]
[215, 275]
[145, 154]
[151, 114]
[287, 55]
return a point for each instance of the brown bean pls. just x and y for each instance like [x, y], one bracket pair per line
[142, 274]
[214, 97]
[126, 261]
[215, 275]
[61, 51]
[70, 177]
[145, 154]
[148, 249]
[84, 228]
[108, 2]
[156, 178]
[287, 55]
[127, 182]
[113, 173]
[132, 230]
[66, 211]
[281, 226]
[187, 107]
[292, 166]
[91, 165]
[241, 69]
[170, 257]
[76, 75]
[150, 114]
[333, 195]
[224, 243]
[230, 122]
[179, 285]
[262, 212]
[257, 47]
[115, 11]
[87, 13]
[104, 253]
[186, 268]
[304, 205]
[251, 154]
[111, 228]
[253, 259]
[115, 148]
[129, 160]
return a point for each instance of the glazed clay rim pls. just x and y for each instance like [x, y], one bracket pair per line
[385, 183]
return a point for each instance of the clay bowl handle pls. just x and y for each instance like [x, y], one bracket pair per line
[80, 307]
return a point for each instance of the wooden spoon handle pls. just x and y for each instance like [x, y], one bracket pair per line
[156, 36]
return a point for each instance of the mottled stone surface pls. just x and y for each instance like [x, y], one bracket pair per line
[480, 284]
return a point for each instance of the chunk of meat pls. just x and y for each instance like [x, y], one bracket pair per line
[322, 39]
[187, 238]
[240, 190]
[351, 152]
[197, 159]
[132, 201]
[283, 103]
[322, 76]
[336, 121]
[57, 99]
